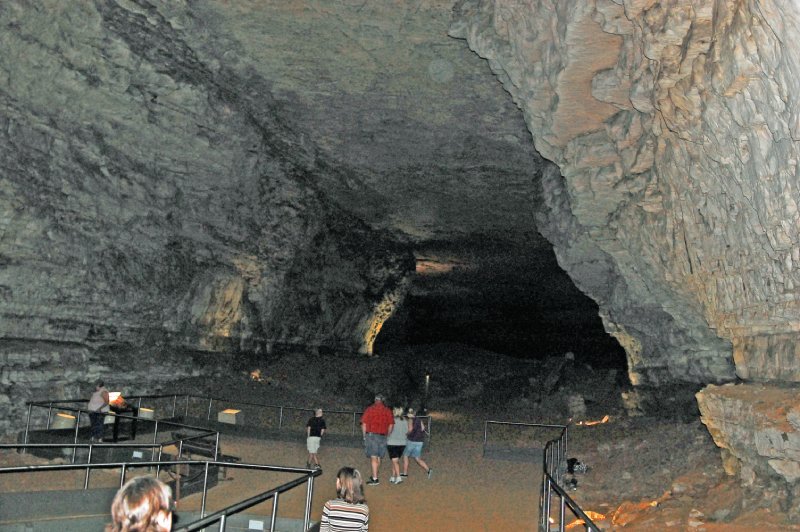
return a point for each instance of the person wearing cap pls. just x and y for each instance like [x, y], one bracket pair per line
[376, 423]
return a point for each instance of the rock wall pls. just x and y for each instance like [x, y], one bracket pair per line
[151, 197]
[673, 125]
[758, 428]
[675, 128]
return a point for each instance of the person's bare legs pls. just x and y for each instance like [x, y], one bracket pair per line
[405, 465]
[396, 469]
[376, 464]
[422, 464]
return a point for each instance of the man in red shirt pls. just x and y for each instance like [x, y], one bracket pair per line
[376, 423]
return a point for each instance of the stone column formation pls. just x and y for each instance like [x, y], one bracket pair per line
[675, 125]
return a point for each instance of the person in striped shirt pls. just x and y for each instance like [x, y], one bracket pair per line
[349, 512]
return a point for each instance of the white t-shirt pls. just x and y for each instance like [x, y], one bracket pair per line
[97, 403]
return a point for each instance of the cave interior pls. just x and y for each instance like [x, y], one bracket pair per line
[612, 181]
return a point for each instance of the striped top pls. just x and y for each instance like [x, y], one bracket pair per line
[341, 516]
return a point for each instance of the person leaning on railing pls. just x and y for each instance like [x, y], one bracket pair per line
[143, 504]
[98, 408]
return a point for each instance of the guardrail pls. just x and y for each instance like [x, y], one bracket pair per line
[208, 407]
[221, 515]
[203, 432]
[554, 466]
[92, 446]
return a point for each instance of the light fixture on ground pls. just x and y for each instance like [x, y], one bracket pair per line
[231, 416]
[63, 420]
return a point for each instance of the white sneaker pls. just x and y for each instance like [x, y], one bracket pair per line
[392, 480]
[398, 480]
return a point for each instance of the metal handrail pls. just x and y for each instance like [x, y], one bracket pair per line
[211, 400]
[204, 431]
[554, 464]
[222, 515]
[92, 446]
[308, 476]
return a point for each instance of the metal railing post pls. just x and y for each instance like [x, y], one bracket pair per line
[49, 416]
[155, 432]
[216, 447]
[280, 418]
[561, 514]
[485, 435]
[205, 492]
[160, 452]
[309, 497]
[88, 469]
[174, 404]
[274, 517]
[543, 518]
[547, 501]
[77, 428]
[210, 402]
[27, 426]
[186, 412]
[122, 475]
[222, 520]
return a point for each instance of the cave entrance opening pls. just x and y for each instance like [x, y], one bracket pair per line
[508, 297]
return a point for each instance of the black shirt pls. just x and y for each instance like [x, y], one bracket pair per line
[317, 425]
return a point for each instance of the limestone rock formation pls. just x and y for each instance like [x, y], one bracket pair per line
[758, 428]
[675, 128]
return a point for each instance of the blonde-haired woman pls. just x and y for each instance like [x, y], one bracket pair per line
[143, 504]
[349, 512]
[396, 444]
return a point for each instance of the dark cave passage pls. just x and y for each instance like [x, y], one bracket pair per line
[510, 298]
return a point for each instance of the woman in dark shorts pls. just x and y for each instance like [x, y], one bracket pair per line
[396, 444]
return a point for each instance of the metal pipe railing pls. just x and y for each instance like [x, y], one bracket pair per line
[553, 468]
[220, 516]
[155, 445]
[281, 409]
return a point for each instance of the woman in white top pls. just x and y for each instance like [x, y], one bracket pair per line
[396, 444]
[98, 408]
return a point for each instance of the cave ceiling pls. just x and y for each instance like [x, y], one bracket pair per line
[408, 129]
[210, 169]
